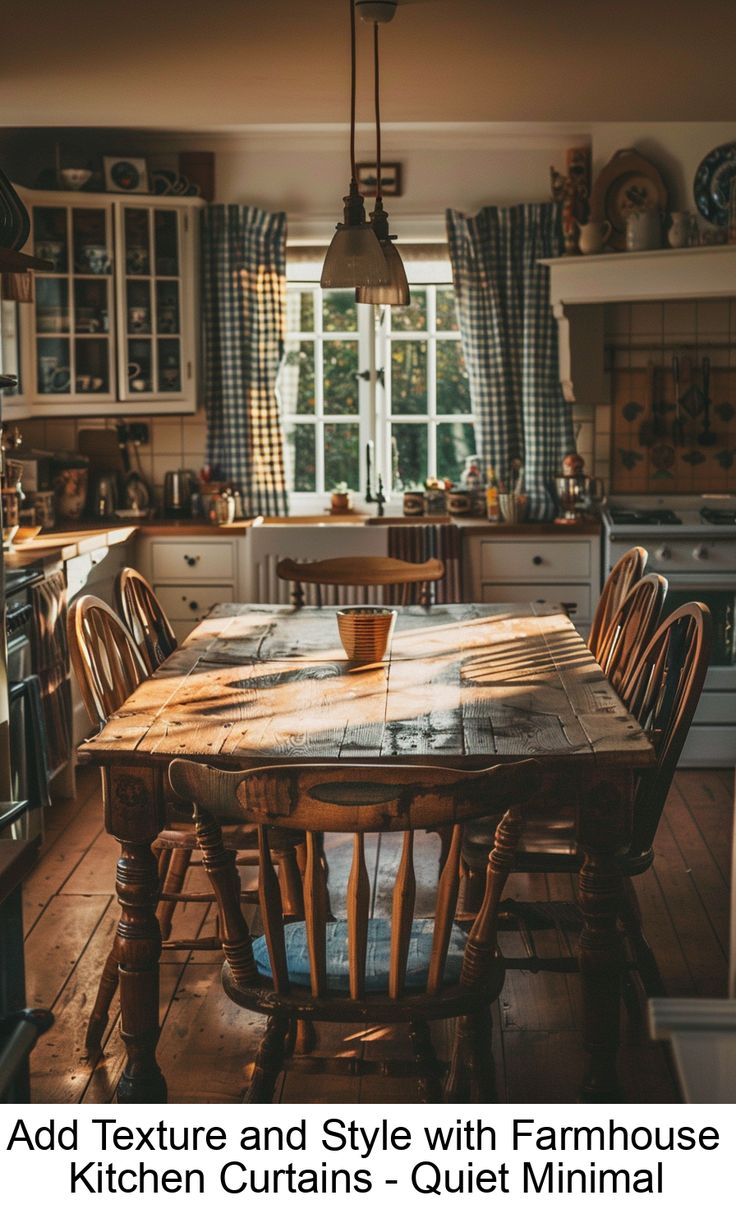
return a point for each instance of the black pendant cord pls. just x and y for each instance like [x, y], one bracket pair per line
[377, 93]
[353, 173]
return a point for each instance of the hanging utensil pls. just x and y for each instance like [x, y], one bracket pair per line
[647, 429]
[707, 437]
[678, 425]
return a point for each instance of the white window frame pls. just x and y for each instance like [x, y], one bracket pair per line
[374, 355]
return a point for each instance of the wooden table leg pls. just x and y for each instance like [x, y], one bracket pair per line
[132, 814]
[605, 823]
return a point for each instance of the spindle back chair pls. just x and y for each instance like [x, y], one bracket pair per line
[144, 617]
[631, 629]
[627, 571]
[106, 660]
[662, 693]
[364, 572]
[304, 981]
[109, 667]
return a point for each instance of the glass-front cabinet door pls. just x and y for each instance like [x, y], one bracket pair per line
[151, 358]
[73, 307]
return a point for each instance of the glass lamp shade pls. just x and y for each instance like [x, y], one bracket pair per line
[396, 291]
[354, 259]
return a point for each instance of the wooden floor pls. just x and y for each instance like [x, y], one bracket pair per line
[207, 1045]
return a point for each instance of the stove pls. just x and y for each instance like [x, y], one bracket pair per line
[692, 542]
[637, 517]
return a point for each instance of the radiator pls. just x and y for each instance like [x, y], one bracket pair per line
[421, 543]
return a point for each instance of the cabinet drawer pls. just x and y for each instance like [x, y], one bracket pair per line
[506, 593]
[534, 559]
[191, 603]
[198, 559]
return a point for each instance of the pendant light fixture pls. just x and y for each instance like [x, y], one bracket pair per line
[395, 292]
[355, 257]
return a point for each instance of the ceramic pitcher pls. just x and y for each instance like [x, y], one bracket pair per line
[643, 230]
[593, 236]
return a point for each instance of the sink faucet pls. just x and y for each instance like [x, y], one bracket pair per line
[380, 497]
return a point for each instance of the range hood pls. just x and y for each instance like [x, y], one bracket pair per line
[582, 285]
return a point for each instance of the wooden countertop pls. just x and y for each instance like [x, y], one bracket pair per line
[63, 545]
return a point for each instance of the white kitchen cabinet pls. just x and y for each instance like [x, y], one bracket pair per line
[115, 322]
[191, 573]
[543, 568]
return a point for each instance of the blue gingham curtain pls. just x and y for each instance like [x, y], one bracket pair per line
[244, 304]
[509, 338]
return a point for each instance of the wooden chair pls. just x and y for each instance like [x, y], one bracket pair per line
[342, 972]
[363, 572]
[109, 667]
[627, 571]
[631, 629]
[144, 617]
[662, 693]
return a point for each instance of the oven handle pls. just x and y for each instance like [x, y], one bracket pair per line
[17, 619]
[700, 581]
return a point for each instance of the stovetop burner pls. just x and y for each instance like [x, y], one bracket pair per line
[718, 518]
[645, 518]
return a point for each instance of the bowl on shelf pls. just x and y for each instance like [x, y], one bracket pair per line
[366, 632]
[74, 179]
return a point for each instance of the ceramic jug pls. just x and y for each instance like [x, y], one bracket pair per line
[678, 233]
[593, 236]
[643, 230]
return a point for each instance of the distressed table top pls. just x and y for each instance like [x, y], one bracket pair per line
[465, 685]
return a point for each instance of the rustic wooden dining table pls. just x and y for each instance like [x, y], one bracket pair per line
[464, 685]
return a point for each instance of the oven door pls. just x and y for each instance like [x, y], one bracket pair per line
[719, 594]
[711, 742]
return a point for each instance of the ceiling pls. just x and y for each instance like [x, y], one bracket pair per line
[188, 66]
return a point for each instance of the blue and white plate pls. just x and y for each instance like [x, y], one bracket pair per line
[712, 185]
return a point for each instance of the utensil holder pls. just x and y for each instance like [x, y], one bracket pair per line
[513, 506]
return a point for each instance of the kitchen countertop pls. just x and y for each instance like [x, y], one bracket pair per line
[64, 544]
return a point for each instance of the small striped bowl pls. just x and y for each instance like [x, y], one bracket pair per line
[366, 632]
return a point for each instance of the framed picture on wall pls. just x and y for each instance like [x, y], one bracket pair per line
[391, 183]
[126, 174]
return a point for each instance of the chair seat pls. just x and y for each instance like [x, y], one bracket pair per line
[377, 957]
[242, 836]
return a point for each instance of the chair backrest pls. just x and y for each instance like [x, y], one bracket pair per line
[313, 799]
[632, 628]
[144, 617]
[627, 571]
[364, 572]
[106, 660]
[662, 694]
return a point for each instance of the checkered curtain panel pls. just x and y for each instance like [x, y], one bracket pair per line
[244, 298]
[509, 338]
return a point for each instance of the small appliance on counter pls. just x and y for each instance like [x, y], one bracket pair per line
[178, 488]
[578, 496]
[103, 500]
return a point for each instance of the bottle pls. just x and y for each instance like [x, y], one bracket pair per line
[493, 512]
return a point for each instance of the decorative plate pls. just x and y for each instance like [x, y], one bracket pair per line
[629, 183]
[712, 184]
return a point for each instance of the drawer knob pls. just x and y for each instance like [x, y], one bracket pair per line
[194, 606]
[700, 553]
[191, 560]
[663, 553]
[537, 560]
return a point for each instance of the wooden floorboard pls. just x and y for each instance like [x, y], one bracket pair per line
[208, 1045]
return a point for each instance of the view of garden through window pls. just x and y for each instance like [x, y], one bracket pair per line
[391, 375]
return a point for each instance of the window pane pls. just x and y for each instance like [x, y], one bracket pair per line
[339, 310]
[412, 317]
[301, 442]
[411, 444]
[455, 441]
[446, 312]
[340, 377]
[341, 455]
[409, 377]
[453, 391]
[296, 378]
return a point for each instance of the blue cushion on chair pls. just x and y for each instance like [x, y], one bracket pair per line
[378, 954]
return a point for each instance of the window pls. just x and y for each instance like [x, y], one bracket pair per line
[354, 374]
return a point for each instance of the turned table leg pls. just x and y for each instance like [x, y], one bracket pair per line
[604, 834]
[132, 807]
